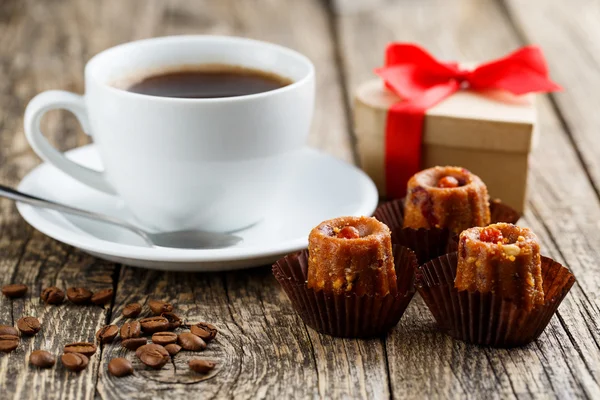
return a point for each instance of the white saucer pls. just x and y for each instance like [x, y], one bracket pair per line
[321, 188]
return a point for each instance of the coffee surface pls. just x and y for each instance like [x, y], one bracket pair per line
[206, 83]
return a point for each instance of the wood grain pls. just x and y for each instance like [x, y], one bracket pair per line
[27, 256]
[260, 348]
[555, 365]
[568, 32]
[263, 349]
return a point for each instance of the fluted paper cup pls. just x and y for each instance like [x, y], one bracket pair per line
[347, 315]
[485, 318]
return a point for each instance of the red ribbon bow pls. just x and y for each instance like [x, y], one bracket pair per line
[422, 82]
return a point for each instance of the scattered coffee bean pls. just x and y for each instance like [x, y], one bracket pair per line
[133, 343]
[164, 338]
[173, 348]
[158, 307]
[102, 297]
[191, 342]
[8, 343]
[29, 325]
[153, 355]
[74, 361]
[120, 367]
[41, 359]
[132, 310]
[201, 366]
[87, 349]
[8, 330]
[107, 333]
[154, 324]
[174, 320]
[130, 330]
[52, 295]
[14, 291]
[79, 295]
[204, 330]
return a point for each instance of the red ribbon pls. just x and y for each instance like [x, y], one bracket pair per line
[422, 82]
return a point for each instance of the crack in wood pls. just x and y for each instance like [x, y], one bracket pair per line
[387, 368]
[346, 93]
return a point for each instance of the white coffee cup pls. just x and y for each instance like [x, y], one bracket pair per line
[210, 163]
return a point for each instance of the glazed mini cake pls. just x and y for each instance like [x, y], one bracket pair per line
[446, 197]
[351, 255]
[502, 259]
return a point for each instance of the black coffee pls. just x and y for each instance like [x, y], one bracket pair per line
[209, 82]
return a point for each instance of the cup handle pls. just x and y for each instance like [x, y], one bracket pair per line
[59, 99]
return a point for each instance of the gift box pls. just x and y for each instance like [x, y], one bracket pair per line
[481, 118]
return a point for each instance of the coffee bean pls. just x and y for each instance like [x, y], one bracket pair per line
[120, 367]
[52, 295]
[79, 295]
[158, 307]
[164, 338]
[8, 330]
[174, 320]
[102, 297]
[132, 310]
[29, 325]
[154, 324]
[8, 343]
[74, 361]
[87, 349]
[153, 355]
[41, 359]
[15, 290]
[130, 330]
[204, 331]
[173, 348]
[191, 342]
[107, 333]
[133, 343]
[201, 366]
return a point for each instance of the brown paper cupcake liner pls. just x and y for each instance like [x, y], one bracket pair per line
[485, 318]
[432, 243]
[347, 315]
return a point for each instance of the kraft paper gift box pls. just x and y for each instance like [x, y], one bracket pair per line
[491, 133]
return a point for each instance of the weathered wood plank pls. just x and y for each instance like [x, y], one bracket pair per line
[264, 349]
[568, 33]
[45, 263]
[261, 347]
[556, 365]
[27, 256]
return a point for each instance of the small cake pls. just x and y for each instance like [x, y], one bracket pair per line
[503, 259]
[351, 255]
[446, 197]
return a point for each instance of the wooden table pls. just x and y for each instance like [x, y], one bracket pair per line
[264, 350]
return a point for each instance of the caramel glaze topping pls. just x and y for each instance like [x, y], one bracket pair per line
[448, 182]
[348, 232]
[503, 259]
[351, 255]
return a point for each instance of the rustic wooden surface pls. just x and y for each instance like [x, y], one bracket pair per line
[264, 350]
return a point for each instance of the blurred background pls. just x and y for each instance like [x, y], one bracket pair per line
[45, 44]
